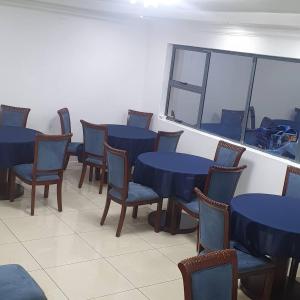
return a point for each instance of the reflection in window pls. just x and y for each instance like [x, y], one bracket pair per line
[275, 98]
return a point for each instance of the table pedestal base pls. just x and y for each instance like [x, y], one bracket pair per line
[4, 187]
[283, 289]
[187, 223]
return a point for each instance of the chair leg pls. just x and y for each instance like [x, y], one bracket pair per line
[33, 188]
[91, 174]
[102, 175]
[293, 269]
[83, 171]
[135, 211]
[158, 216]
[12, 184]
[67, 160]
[121, 220]
[59, 196]
[268, 286]
[46, 191]
[106, 208]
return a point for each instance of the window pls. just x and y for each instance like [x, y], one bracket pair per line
[249, 98]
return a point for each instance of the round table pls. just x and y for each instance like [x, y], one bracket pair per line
[268, 225]
[171, 175]
[16, 147]
[134, 140]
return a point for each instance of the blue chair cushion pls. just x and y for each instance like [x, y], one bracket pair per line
[17, 284]
[192, 206]
[93, 160]
[72, 147]
[246, 261]
[136, 192]
[25, 171]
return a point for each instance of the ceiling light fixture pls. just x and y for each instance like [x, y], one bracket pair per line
[154, 3]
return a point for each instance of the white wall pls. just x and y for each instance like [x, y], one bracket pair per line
[49, 61]
[265, 173]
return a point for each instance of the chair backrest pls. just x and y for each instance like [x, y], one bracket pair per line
[139, 119]
[49, 153]
[65, 121]
[232, 117]
[94, 137]
[213, 223]
[212, 276]
[228, 155]
[14, 116]
[118, 170]
[167, 141]
[291, 185]
[221, 183]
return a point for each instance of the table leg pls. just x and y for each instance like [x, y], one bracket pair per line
[4, 186]
[282, 289]
[185, 223]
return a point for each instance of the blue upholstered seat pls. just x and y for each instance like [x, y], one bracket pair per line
[192, 206]
[12, 118]
[93, 160]
[228, 155]
[136, 192]
[232, 117]
[72, 147]
[17, 284]
[25, 171]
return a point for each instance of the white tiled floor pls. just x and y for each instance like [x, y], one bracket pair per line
[72, 257]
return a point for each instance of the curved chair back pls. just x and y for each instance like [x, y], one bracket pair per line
[49, 153]
[65, 121]
[139, 119]
[213, 223]
[118, 170]
[94, 137]
[291, 182]
[228, 155]
[212, 276]
[14, 116]
[167, 141]
[221, 183]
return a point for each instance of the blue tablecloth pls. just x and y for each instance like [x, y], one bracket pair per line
[171, 174]
[16, 146]
[132, 139]
[267, 224]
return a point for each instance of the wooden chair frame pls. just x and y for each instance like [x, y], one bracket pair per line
[24, 110]
[142, 114]
[295, 262]
[102, 167]
[268, 270]
[223, 144]
[167, 134]
[36, 171]
[207, 261]
[124, 195]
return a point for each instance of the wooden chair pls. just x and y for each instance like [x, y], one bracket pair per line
[220, 185]
[214, 234]
[14, 116]
[47, 167]
[125, 193]
[139, 119]
[167, 141]
[94, 137]
[212, 276]
[65, 123]
[228, 155]
[291, 188]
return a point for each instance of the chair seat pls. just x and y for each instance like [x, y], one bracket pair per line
[72, 147]
[192, 206]
[25, 171]
[17, 284]
[136, 192]
[95, 161]
[246, 261]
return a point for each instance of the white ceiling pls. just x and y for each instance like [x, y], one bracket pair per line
[251, 12]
